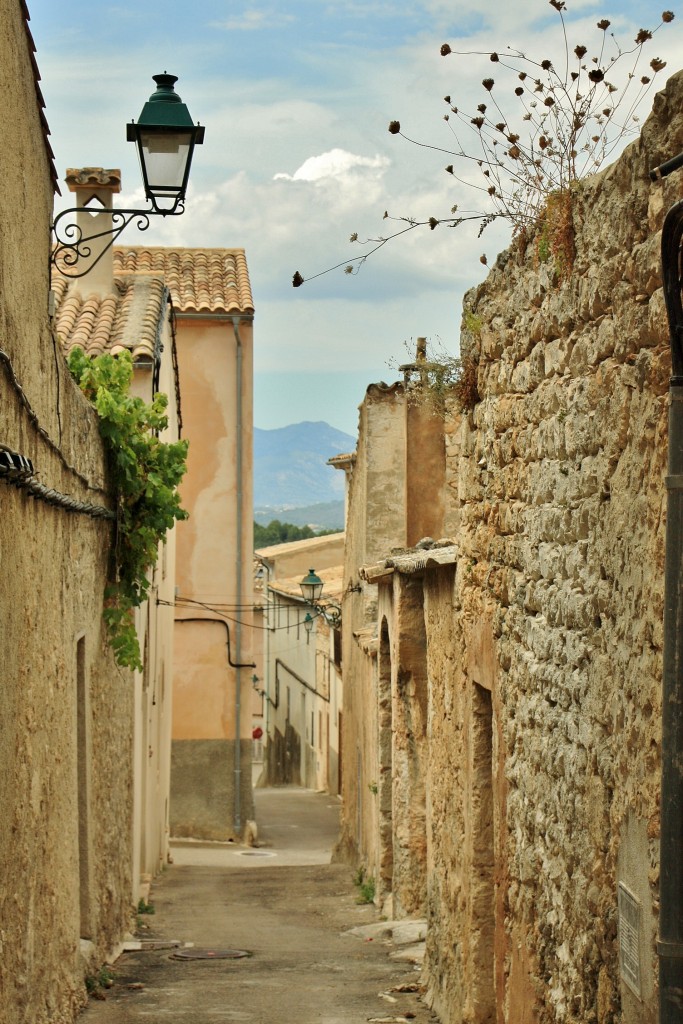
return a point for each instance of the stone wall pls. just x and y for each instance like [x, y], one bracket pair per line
[545, 649]
[65, 708]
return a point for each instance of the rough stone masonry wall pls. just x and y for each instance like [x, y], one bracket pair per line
[556, 611]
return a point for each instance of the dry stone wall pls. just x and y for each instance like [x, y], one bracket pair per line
[550, 634]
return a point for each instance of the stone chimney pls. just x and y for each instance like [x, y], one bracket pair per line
[95, 188]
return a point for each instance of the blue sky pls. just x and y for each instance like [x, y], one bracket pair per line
[296, 99]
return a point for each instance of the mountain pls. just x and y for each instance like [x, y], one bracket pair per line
[290, 466]
[328, 515]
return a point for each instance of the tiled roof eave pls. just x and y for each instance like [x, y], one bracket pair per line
[202, 282]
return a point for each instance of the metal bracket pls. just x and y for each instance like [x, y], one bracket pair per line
[72, 245]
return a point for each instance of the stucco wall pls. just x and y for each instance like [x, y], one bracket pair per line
[154, 686]
[65, 790]
[396, 495]
[211, 697]
[545, 650]
[375, 522]
[303, 684]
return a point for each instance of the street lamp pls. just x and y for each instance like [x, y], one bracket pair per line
[165, 137]
[311, 589]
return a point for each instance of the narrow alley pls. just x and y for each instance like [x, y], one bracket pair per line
[284, 904]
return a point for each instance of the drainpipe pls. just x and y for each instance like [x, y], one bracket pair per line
[239, 558]
[670, 942]
[266, 680]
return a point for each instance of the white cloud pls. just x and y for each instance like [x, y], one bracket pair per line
[340, 166]
[253, 19]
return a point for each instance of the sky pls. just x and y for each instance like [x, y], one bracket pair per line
[296, 99]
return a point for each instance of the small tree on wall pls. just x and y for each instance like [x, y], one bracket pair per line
[540, 127]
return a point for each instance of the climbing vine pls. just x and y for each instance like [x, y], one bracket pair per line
[145, 473]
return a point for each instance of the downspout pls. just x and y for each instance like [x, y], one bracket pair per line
[239, 558]
[266, 681]
[670, 942]
[219, 622]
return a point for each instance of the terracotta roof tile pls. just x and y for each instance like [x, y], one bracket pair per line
[128, 318]
[200, 280]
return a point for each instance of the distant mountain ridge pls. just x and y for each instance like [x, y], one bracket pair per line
[290, 466]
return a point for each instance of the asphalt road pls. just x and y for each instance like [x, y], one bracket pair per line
[288, 914]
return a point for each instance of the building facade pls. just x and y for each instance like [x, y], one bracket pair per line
[300, 679]
[211, 774]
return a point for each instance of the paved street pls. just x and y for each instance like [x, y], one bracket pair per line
[288, 909]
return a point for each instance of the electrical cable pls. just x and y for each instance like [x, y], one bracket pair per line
[229, 618]
[17, 471]
[9, 369]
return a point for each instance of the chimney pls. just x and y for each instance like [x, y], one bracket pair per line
[95, 188]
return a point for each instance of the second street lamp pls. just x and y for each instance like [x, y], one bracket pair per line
[311, 589]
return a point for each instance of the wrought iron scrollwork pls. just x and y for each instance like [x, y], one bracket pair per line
[72, 245]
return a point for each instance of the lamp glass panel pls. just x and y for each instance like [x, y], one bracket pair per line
[165, 156]
[311, 591]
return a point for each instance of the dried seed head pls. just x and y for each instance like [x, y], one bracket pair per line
[519, 91]
[354, 237]
[482, 108]
[580, 51]
[433, 222]
[667, 16]
[604, 24]
[478, 122]
[643, 36]
[449, 169]
[546, 65]
[394, 127]
[514, 152]
[297, 280]
[445, 50]
[596, 75]
[447, 99]
[657, 65]
[488, 84]
[494, 58]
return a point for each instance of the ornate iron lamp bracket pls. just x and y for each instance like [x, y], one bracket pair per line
[72, 245]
